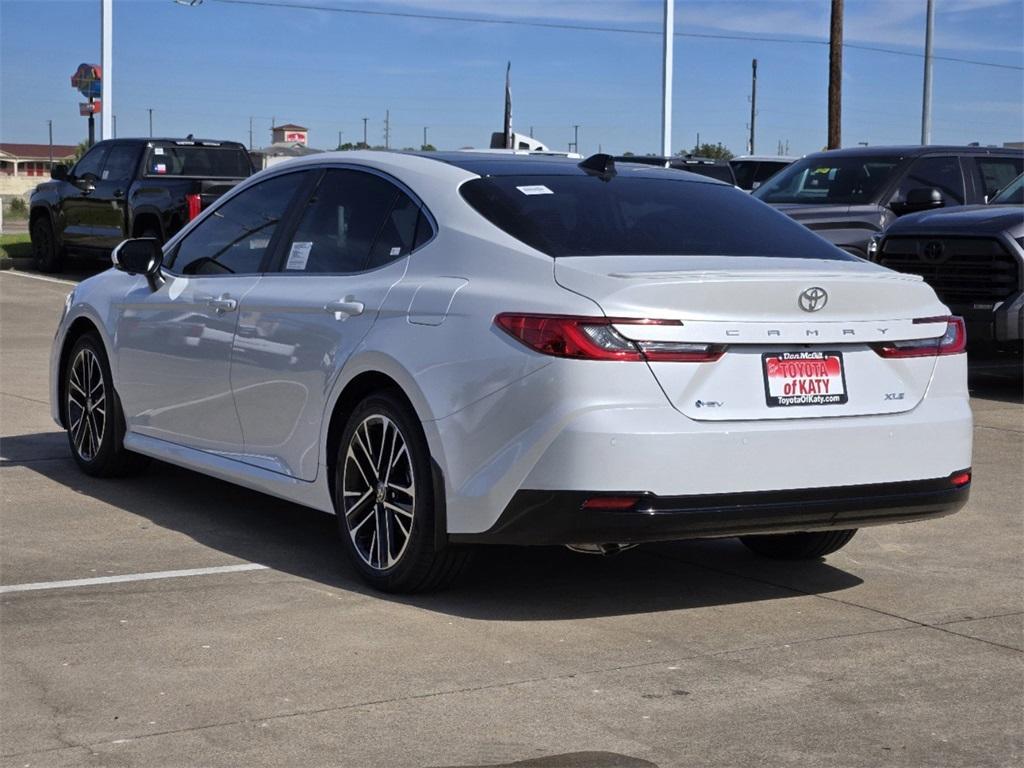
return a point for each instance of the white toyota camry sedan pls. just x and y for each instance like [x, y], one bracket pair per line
[457, 349]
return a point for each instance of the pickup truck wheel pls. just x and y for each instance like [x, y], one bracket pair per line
[798, 546]
[46, 255]
[92, 412]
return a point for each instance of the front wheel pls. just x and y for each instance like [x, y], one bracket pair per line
[798, 546]
[384, 499]
[46, 254]
[92, 413]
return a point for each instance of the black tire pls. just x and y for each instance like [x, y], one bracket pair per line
[92, 410]
[369, 506]
[46, 254]
[810, 545]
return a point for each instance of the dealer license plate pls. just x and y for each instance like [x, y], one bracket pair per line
[804, 378]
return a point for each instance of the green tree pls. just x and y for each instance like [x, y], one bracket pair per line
[627, 153]
[428, 148]
[715, 151]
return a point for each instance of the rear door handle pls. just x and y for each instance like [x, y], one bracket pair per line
[347, 307]
[222, 305]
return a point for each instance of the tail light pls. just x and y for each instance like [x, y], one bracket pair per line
[195, 205]
[952, 342]
[595, 338]
[960, 479]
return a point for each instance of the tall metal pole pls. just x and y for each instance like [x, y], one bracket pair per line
[926, 104]
[835, 77]
[666, 79]
[107, 63]
[753, 104]
[49, 124]
[151, 122]
[113, 122]
[424, 137]
[250, 134]
[575, 138]
[364, 131]
[387, 129]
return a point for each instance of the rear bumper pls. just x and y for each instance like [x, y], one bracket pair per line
[561, 517]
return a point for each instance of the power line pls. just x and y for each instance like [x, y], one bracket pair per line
[594, 28]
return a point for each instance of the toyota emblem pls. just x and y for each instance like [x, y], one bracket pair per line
[934, 251]
[813, 299]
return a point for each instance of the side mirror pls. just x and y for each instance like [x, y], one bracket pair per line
[59, 172]
[140, 256]
[86, 183]
[919, 199]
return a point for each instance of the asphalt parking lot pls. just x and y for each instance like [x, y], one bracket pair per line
[904, 649]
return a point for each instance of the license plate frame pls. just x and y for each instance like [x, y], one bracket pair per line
[802, 397]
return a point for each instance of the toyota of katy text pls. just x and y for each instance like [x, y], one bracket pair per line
[129, 188]
[463, 349]
[848, 195]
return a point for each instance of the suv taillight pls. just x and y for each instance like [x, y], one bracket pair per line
[195, 205]
[595, 338]
[952, 342]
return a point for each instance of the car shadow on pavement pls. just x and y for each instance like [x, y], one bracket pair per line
[503, 583]
[1002, 381]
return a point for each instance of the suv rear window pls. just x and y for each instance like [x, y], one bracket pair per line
[821, 179]
[585, 216]
[230, 162]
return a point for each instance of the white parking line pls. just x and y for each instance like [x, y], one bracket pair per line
[130, 577]
[38, 277]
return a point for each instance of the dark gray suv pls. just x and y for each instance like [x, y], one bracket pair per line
[848, 195]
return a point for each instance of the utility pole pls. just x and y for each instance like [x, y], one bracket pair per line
[387, 129]
[364, 132]
[753, 105]
[49, 124]
[531, 131]
[151, 122]
[339, 139]
[424, 137]
[107, 64]
[113, 122]
[666, 79]
[926, 102]
[835, 76]
[250, 133]
[576, 138]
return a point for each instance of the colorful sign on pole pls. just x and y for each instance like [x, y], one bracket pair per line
[88, 80]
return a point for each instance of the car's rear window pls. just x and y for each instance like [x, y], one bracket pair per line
[230, 162]
[586, 216]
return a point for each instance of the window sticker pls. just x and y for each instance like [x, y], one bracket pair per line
[160, 168]
[535, 189]
[257, 243]
[396, 251]
[158, 151]
[105, 174]
[298, 256]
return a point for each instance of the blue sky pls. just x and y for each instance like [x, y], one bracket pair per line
[205, 70]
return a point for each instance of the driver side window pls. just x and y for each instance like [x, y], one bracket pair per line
[234, 238]
[91, 162]
[941, 173]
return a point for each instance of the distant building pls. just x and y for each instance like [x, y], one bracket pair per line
[22, 166]
[288, 141]
[1013, 144]
[289, 133]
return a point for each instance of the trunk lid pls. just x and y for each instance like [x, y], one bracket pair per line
[753, 305]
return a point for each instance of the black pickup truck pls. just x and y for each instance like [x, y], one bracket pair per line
[129, 188]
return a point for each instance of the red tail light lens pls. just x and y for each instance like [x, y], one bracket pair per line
[595, 338]
[611, 502]
[195, 205]
[952, 342]
[960, 479]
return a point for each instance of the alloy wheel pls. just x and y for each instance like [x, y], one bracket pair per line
[378, 491]
[87, 404]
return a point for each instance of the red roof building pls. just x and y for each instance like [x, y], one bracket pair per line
[32, 159]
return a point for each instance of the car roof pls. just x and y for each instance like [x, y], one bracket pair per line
[766, 158]
[501, 164]
[913, 150]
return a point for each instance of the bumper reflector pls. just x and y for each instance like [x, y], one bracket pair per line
[960, 479]
[610, 502]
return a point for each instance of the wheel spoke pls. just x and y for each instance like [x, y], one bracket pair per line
[399, 510]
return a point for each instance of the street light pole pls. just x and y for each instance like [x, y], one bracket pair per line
[926, 103]
[364, 132]
[835, 76]
[49, 124]
[151, 122]
[424, 138]
[107, 64]
[666, 79]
